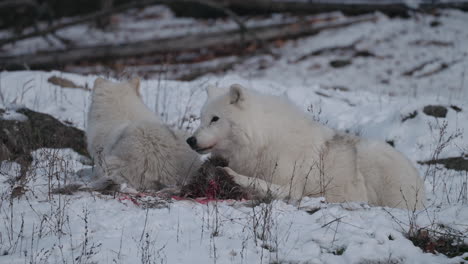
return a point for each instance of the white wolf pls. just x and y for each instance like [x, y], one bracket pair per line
[130, 144]
[284, 152]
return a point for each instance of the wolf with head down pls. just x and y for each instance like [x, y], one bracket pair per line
[278, 149]
[130, 144]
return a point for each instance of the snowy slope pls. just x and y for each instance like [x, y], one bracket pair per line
[93, 228]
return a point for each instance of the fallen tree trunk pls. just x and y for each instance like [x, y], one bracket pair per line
[389, 7]
[453, 163]
[176, 71]
[174, 44]
[80, 20]
[103, 15]
[317, 6]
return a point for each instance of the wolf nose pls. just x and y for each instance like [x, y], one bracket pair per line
[192, 141]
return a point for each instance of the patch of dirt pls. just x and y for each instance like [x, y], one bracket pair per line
[19, 138]
[65, 83]
[435, 110]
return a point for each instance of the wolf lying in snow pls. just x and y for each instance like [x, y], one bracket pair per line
[288, 154]
[130, 144]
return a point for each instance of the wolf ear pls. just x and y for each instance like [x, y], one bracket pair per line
[99, 81]
[135, 83]
[236, 93]
[213, 91]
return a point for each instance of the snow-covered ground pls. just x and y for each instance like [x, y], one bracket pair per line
[370, 97]
[131, 26]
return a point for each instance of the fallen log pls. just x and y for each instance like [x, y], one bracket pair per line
[181, 72]
[65, 83]
[452, 163]
[390, 7]
[289, 30]
[79, 20]
[103, 15]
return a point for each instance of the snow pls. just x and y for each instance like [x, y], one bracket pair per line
[10, 114]
[93, 228]
[131, 26]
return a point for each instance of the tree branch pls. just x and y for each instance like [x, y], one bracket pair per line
[79, 20]
[174, 44]
[118, 9]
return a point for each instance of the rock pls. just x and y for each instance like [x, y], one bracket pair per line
[435, 110]
[409, 116]
[390, 142]
[339, 63]
[18, 137]
[454, 163]
[435, 23]
[364, 53]
[456, 108]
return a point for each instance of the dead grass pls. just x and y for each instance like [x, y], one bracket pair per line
[440, 240]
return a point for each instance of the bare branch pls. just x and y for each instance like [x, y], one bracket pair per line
[174, 44]
[79, 20]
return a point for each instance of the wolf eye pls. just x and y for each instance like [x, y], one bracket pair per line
[214, 119]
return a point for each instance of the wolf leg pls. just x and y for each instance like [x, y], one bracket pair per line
[263, 187]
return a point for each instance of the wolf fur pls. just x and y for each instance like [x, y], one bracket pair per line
[130, 144]
[273, 145]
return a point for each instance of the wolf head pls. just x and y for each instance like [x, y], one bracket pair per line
[223, 120]
[118, 102]
[103, 87]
